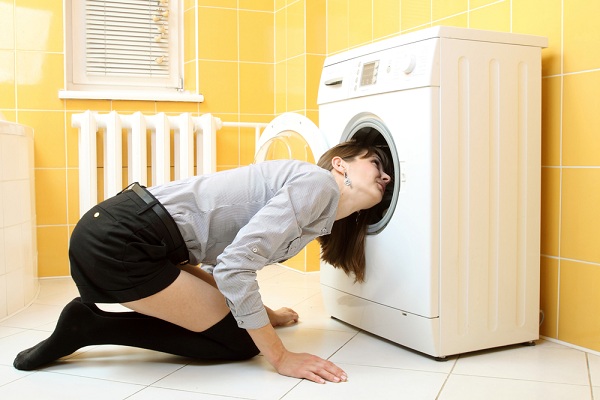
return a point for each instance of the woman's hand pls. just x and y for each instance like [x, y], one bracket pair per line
[296, 365]
[311, 367]
[283, 316]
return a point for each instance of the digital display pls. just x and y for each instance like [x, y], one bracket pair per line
[369, 73]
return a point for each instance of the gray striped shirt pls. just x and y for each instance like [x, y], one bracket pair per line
[243, 219]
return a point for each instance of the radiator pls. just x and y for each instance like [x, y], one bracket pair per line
[183, 129]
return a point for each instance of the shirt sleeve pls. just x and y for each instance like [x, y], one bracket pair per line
[269, 232]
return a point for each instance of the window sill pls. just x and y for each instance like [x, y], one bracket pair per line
[129, 95]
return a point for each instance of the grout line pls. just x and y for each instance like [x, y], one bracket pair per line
[447, 377]
[560, 162]
[587, 363]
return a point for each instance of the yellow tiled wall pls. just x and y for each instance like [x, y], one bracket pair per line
[259, 58]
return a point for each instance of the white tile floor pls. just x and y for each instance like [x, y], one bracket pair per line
[376, 368]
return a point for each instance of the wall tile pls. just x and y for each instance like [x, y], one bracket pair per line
[414, 13]
[581, 32]
[550, 211]
[280, 87]
[189, 76]
[579, 322]
[314, 67]
[51, 196]
[313, 257]
[459, 21]
[53, 249]
[473, 4]
[549, 296]
[219, 84]
[257, 5]
[49, 144]
[228, 147]
[580, 215]
[280, 35]
[39, 25]
[295, 29]
[386, 18]
[580, 139]
[190, 42]
[218, 28]
[551, 116]
[316, 26]
[256, 36]
[72, 196]
[256, 88]
[39, 78]
[7, 79]
[494, 17]
[547, 22]
[218, 3]
[441, 9]
[337, 21]
[360, 18]
[296, 83]
[7, 21]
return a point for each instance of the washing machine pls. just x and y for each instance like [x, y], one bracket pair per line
[452, 263]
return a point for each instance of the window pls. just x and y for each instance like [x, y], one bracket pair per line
[129, 49]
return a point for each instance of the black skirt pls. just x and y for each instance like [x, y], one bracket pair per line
[123, 249]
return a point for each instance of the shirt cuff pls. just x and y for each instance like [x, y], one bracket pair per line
[253, 321]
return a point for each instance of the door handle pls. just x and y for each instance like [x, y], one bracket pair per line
[334, 82]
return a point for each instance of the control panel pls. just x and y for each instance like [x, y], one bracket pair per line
[408, 66]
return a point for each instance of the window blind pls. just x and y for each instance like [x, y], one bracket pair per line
[127, 38]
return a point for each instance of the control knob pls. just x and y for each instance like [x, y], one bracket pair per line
[407, 63]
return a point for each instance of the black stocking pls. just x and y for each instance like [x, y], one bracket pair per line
[82, 325]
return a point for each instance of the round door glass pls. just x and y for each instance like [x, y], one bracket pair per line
[371, 131]
[287, 145]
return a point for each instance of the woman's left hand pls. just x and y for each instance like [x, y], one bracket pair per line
[283, 316]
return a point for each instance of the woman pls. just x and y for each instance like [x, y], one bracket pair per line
[141, 247]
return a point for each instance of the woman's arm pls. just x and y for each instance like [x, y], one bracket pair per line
[297, 365]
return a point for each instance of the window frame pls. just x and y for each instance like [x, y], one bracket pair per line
[80, 85]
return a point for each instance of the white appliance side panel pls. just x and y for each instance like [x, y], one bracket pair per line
[490, 191]
[409, 330]
[403, 259]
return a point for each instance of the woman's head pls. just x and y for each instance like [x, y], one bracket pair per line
[366, 170]
[350, 150]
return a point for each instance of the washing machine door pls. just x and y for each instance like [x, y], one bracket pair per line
[291, 136]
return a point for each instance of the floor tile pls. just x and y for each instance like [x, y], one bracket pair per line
[10, 346]
[34, 316]
[557, 365]
[252, 379]
[477, 388]
[315, 341]
[9, 331]
[9, 374]
[152, 393]
[120, 364]
[366, 349]
[594, 365]
[373, 383]
[44, 385]
[377, 369]
[313, 315]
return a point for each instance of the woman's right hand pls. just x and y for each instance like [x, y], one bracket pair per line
[296, 365]
[311, 367]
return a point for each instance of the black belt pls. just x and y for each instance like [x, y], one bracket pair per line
[164, 216]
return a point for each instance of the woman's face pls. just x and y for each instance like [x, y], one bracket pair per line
[368, 179]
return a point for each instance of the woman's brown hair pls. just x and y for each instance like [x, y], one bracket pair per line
[344, 247]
